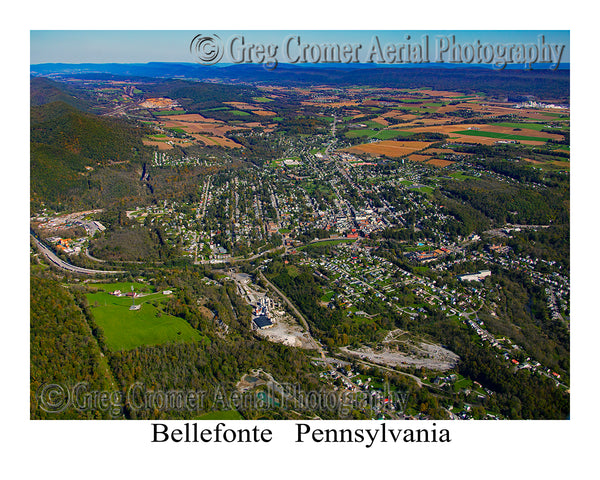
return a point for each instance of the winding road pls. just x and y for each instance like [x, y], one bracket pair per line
[52, 258]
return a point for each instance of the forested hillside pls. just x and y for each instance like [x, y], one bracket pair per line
[63, 352]
[66, 143]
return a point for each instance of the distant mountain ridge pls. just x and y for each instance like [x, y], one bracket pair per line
[540, 82]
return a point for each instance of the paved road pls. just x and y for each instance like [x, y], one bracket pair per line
[271, 250]
[52, 258]
[87, 254]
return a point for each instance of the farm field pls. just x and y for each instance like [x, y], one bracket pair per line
[262, 99]
[534, 134]
[207, 131]
[416, 157]
[390, 134]
[365, 132]
[504, 136]
[193, 117]
[264, 113]
[438, 151]
[523, 125]
[486, 134]
[156, 143]
[216, 140]
[461, 176]
[438, 162]
[169, 112]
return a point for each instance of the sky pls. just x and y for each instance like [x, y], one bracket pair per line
[142, 46]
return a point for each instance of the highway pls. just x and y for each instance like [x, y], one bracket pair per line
[52, 258]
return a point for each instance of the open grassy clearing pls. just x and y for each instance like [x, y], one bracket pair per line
[461, 176]
[262, 99]
[126, 329]
[524, 125]
[222, 415]
[123, 286]
[391, 134]
[169, 112]
[327, 296]
[177, 130]
[503, 136]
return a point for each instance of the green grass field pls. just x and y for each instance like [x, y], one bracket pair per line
[215, 109]
[373, 125]
[389, 134]
[419, 269]
[123, 286]
[503, 136]
[554, 115]
[262, 99]
[327, 296]
[460, 176]
[240, 113]
[420, 109]
[223, 415]
[126, 329]
[462, 383]
[292, 271]
[177, 130]
[411, 100]
[170, 112]
[524, 125]
[435, 104]
[320, 187]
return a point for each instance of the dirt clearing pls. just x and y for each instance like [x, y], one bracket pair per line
[408, 354]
